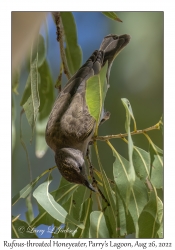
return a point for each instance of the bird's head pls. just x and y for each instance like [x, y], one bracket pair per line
[71, 165]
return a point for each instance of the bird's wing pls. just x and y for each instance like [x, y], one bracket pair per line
[77, 123]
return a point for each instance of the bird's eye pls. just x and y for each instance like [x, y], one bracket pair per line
[80, 168]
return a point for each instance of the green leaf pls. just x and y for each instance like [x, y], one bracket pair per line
[149, 220]
[79, 197]
[157, 172]
[156, 168]
[15, 81]
[27, 189]
[112, 15]
[61, 195]
[131, 171]
[46, 200]
[40, 49]
[27, 91]
[72, 50]
[125, 220]
[86, 209]
[160, 232]
[64, 191]
[21, 230]
[96, 89]
[141, 162]
[98, 226]
[29, 213]
[129, 114]
[108, 194]
[138, 197]
[39, 52]
[46, 93]
[31, 107]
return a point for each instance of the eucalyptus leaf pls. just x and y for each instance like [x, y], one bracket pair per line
[108, 194]
[86, 209]
[72, 50]
[40, 49]
[138, 196]
[157, 172]
[112, 15]
[21, 230]
[149, 222]
[15, 81]
[27, 91]
[125, 220]
[46, 93]
[64, 191]
[31, 106]
[156, 165]
[131, 171]
[27, 189]
[141, 162]
[61, 195]
[46, 200]
[98, 225]
[96, 89]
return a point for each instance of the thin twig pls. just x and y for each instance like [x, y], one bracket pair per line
[95, 183]
[137, 132]
[60, 33]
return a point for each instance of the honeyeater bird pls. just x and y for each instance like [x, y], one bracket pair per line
[70, 126]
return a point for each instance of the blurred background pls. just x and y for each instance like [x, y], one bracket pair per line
[136, 74]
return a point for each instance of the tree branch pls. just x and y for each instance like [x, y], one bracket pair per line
[60, 32]
[137, 132]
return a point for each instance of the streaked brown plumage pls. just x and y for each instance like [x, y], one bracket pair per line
[70, 126]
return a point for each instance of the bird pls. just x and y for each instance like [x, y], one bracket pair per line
[70, 127]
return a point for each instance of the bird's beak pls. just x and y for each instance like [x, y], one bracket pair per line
[89, 185]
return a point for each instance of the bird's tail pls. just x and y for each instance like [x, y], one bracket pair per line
[111, 46]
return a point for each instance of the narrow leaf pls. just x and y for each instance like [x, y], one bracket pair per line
[46, 93]
[149, 223]
[138, 196]
[31, 107]
[98, 226]
[41, 50]
[15, 81]
[29, 213]
[27, 189]
[27, 91]
[108, 194]
[141, 162]
[131, 171]
[73, 50]
[96, 89]
[86, 209]
[20, 230]
[46, 200]
[34, 88]
[112, 15]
